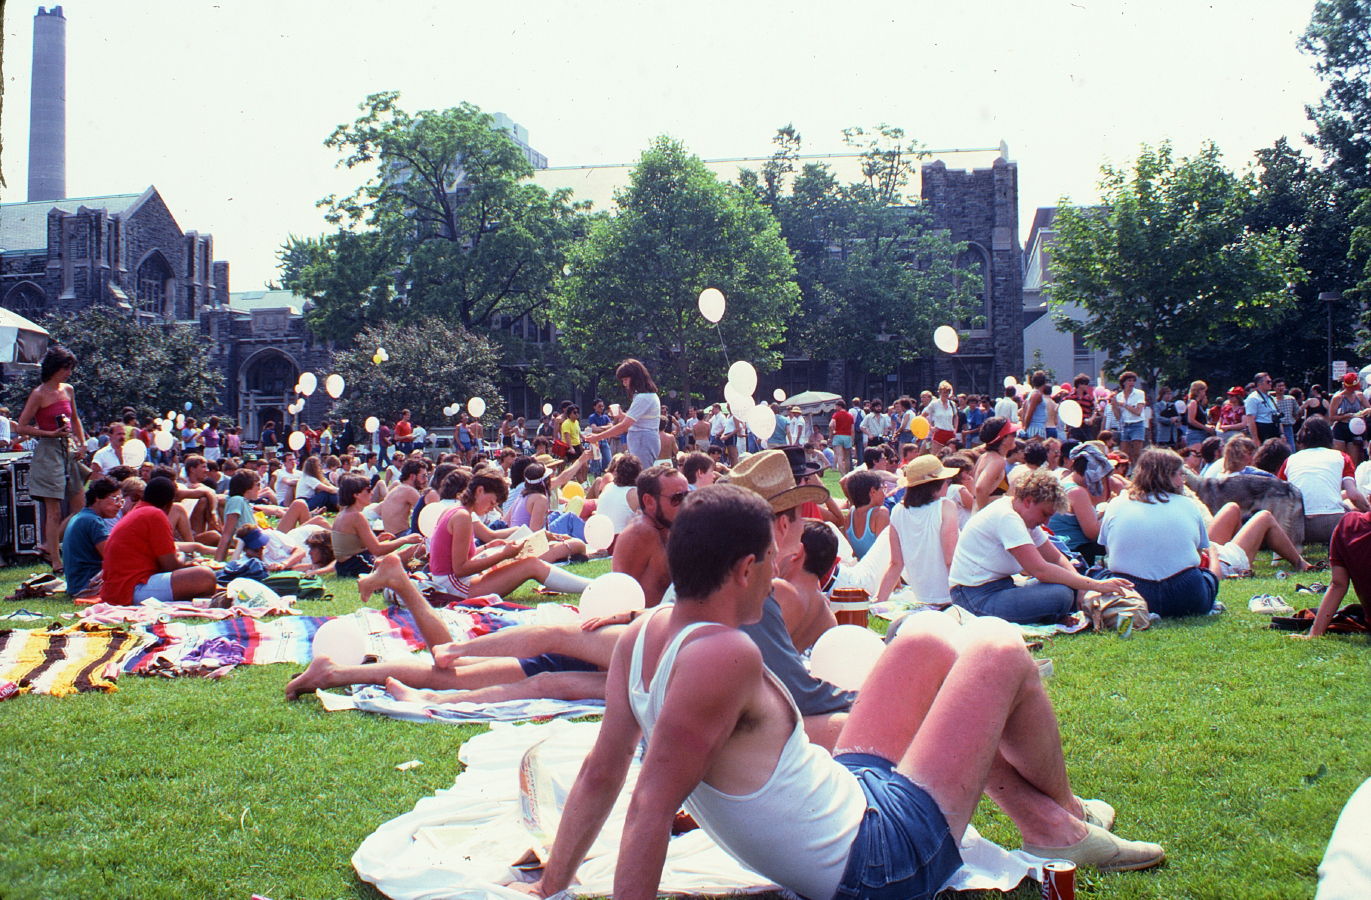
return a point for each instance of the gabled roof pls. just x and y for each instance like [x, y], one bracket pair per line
[247, 301]
[24, 226]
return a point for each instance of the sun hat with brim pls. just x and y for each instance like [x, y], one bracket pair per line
[801, 466]
[548, 460]
[767, 474]
[923, 469]
[1237, 392]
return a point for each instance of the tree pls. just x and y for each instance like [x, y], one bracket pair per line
[430, 366]
[1167, 268]
[875, 277]
[635, 279]
[448, 225]
[121, 362]
[1339, 37]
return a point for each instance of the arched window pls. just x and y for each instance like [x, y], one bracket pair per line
[155, 284]
[975, 261]
[27, 299]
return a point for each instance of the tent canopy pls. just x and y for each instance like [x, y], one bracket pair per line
[21, 341]
[812, 402]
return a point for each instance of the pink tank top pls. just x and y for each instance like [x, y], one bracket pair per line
[440, 545]
[46, 417]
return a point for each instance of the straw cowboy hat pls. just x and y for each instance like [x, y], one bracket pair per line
[767, 474]
[923, 469]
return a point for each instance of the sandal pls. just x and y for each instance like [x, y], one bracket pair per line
[1316, 587]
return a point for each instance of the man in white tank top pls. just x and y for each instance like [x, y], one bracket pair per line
[931, 731]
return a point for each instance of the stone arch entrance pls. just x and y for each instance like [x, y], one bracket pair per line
[27, 299]
[265, 382]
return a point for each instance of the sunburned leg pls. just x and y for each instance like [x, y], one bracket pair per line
[534, 640]
[191, 582]
[390, 573]
[323, 672]
[1226, 523]
[543, 686]
[825, 729]
[1263, 530]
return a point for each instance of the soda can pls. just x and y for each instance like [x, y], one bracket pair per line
[1059, 880]
[8, 689]
[1124, 626]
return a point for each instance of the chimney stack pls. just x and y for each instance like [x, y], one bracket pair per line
[48, 107]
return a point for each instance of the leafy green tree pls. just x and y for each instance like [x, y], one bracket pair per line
[430, 366]
[122, 363]
[1339, 37]
[635, 279]
[447, 225]
[1167, 268]
[875, 277]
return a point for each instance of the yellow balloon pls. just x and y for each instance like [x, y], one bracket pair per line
[574, 505]
[919, 427]
[376, 359]
[573, 489]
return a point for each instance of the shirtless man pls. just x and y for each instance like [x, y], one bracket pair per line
[947, 714]
[400, 499]
[204, 518]
[809, 615]
[640, 550]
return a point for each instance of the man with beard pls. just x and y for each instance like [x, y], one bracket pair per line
[640, 549]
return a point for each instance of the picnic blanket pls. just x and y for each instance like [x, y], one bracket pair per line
[67, 660]
[461, 843]
[373, 698]
[390, 633]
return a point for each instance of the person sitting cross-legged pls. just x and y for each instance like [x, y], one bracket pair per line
[141, 560]
[946, 714]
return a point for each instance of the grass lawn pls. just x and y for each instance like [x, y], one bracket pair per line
[1232, 745]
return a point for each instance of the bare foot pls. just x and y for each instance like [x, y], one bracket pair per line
[406, 694]
[369, 584]
[447, 656]
[316, 675]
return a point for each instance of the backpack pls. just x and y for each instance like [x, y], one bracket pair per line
[304, 587]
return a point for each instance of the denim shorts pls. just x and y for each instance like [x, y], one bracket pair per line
[841, 440]
[555, 662]
[1132, 431]
[903, 849]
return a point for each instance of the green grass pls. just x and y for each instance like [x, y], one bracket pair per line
[1202, 734]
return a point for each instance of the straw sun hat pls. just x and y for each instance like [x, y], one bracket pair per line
[768, 475]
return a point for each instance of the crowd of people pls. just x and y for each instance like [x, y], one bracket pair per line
[1009, 512]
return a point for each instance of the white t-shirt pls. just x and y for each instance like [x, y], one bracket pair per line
[284, 484]
[943, 416]
[1133, 397]
[1006, 408]
[919, 531]
[983, 549]
[306, 487]
[645, 410]
[1318, 473]
[106, 458]
[875, 425]
[1153, 540]
[1364, 477]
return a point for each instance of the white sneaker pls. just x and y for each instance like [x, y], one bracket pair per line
[1267, 605]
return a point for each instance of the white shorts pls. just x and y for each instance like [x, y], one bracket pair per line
[1232, 559]
[451, 584]
[158, 587]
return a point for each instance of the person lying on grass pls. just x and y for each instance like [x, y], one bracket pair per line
[946, 715]
[355, 546]
[241, 509]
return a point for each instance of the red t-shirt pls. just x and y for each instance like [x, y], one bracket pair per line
[841, 421]
[131, 552]
[1350, 547]
[403, 430]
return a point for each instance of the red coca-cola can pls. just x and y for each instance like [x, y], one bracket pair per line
[1059, 880]
[8, 689]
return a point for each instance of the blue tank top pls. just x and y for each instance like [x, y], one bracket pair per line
[1067, 527]
[860, 545]
[1039, 414]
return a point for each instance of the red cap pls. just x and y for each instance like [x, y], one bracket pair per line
[1349, 378]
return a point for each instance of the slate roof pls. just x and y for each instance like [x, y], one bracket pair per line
[24, 226]
[247, 301]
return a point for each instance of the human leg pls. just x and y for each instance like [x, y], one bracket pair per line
[543, 686]
[323, 672]
[1263, 530]
[296, 514]
[390, 573]
[193, 581]
[1226, 523]
[1028, 604]
[595, 646]
[503, 579]
[52, 530]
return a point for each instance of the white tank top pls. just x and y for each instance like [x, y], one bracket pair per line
[798, 828]
[613, 502]
[918, 529]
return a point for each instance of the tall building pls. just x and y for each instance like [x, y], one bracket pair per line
[48, 107]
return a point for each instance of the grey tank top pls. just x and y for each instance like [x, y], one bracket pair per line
[812, 696]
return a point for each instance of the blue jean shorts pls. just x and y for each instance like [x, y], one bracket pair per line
[1132, 431]
[903, 849]
[555, 662]
[841, 440]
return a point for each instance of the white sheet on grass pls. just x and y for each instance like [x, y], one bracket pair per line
[373, 698]
[459, 844]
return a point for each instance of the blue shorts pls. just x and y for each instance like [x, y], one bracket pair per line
[555, 662]
[841, 440]
[158, 587]
[355, 566]
[903, 849]
[1132, 431]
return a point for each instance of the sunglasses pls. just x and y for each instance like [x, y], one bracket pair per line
[676, 498]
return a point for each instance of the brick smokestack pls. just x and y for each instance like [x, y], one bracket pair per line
[48, 107]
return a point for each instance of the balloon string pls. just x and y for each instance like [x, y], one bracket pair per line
[720, 332]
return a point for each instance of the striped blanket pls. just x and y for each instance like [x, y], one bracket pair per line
[390, 633]
[67, 660]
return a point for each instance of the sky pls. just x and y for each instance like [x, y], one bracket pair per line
[224, 106]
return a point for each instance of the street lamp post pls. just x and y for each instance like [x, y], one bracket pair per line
[1328, 298]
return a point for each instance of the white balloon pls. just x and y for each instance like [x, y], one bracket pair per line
[1020, 390]
[739, 403]
[712, 304]
[779, 394]
[476, 406]
[599, 532]
[163, 440]
[180, 421]
[1180, 407]
[547, 409]
[743, 376]
[309, 383]
[1357, 425]
[610, 594]
[946, 339]
[1010, 381]
[1070, 413]
[334, 385]
[371, 424]
[762, 421]
[341, 641]
[381, 352]
[135, 452]
[845, 655]
[296, 441]
[168, 424]
[431, 513]
[171, 414]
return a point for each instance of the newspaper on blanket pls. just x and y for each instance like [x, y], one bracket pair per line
[541, 798]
